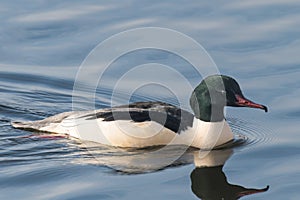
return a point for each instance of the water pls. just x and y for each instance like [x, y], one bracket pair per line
[42, 47]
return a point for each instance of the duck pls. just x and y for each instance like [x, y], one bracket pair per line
[145, 124]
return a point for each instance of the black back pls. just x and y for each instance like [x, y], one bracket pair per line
[169, 116]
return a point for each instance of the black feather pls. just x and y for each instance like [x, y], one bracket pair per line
[169, 116]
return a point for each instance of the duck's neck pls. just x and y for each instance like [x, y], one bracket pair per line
[210, 113]
[205, 110]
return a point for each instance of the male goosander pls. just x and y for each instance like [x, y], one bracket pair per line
[145, 124]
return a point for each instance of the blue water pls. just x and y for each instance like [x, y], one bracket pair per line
[43, 45]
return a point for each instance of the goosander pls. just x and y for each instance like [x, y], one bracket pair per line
[144, 124]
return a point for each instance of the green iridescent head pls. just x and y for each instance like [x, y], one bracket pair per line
[214, 93]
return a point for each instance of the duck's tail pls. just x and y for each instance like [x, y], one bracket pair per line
[35, 126]
[50, 124]
[26, 125]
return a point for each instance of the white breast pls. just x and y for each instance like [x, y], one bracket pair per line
[207, 135]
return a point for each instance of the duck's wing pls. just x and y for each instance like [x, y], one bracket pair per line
[167, 115]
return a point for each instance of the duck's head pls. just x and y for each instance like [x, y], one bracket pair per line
[214, 93]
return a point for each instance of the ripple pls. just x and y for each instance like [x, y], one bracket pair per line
[22, 79]
[250, 134]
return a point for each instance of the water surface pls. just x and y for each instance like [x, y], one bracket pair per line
[43, 45]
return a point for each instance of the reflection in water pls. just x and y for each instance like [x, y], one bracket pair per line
[208, 181]
[136, 161]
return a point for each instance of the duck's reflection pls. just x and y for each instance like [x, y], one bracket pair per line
[210, 182]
